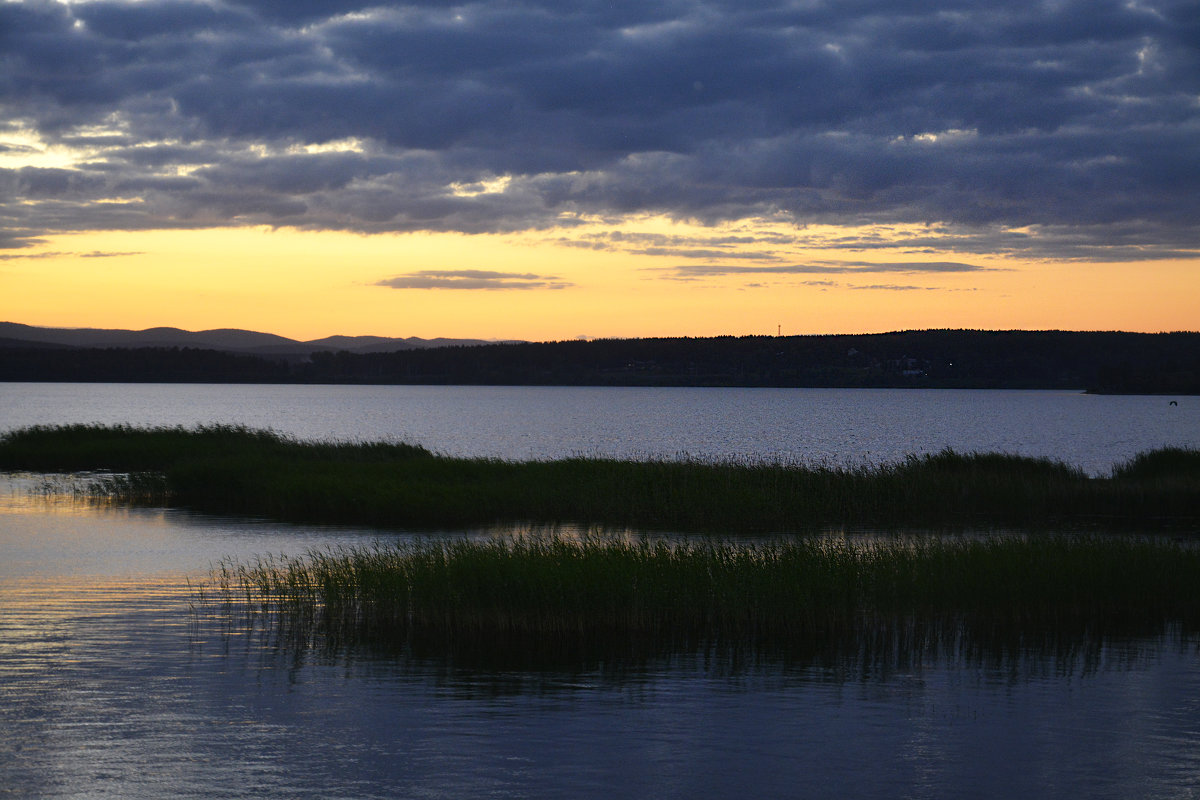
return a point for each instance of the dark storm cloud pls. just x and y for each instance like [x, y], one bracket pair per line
[472, 279]
[1075, 122]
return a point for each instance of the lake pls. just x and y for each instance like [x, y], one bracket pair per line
[114, 683]
[834, 425]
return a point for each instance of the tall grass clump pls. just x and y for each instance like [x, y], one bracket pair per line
[126, 448]
[753, 595]
[1166, 463]
[1164, 483]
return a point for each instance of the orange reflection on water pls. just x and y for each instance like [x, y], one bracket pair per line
[60, 493]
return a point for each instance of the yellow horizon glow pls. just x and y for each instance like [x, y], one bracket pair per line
[307, 285]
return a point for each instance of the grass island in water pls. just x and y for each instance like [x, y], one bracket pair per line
[234, 470]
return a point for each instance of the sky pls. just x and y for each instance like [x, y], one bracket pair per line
[554, 169]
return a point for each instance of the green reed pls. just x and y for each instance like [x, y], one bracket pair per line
[749, 593]
[229, 469]
[125, 448]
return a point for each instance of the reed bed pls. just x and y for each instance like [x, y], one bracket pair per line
[750, 594]
[234, 470]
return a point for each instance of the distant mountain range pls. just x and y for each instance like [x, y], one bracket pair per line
[230, 340]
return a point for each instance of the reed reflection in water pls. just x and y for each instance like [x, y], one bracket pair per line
[127, 691]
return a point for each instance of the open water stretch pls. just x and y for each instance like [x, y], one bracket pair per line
[839, 426]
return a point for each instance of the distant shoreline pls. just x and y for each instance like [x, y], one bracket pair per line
[1097, 363]
[903, 386]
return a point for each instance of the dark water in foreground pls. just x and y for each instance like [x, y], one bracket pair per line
[113, 685]
[134, 704]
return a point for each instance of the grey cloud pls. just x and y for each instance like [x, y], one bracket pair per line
[1132, 240]
[34, 182]
[686, 253]
[736, 247]
[22, 256]
[48, 254]
[889, 287]
[472, 279]
[1076, 120]
[137, 22]
[916, 266]
[821, 268]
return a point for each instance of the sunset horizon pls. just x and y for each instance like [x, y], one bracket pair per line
[779, 332]
[543, 288]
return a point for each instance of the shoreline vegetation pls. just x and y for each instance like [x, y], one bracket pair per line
[1066, 575]
[240, 471]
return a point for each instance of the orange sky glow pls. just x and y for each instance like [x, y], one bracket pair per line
[581, 283]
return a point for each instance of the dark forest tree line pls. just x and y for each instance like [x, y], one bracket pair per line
[1098, 361]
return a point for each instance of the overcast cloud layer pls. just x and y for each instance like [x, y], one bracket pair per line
[1079, 118]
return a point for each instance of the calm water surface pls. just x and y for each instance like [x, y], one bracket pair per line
[114, 684]
[834, 425]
